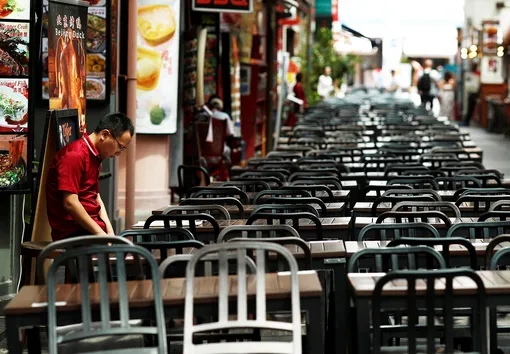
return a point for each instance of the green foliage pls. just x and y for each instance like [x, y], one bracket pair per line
[323, 54]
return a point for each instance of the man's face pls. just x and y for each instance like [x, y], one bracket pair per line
[327, 71]
[112, 146]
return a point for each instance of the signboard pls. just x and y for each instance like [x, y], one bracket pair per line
[223, 5]
[67, 67]
[492, 70]
[67, 127]
[157, 66]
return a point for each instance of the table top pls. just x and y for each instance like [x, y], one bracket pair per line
[33, 299]
[497, 282]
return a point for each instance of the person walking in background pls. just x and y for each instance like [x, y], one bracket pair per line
[472, 84]
[299, 92]
[394, 86]
[447, 96]
[428, 83]
[325, 86]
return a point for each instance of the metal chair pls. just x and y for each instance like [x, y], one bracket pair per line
[495, 242]
[394, 200]
[230, 201]
[293, 217]
[262, 196]
[444, 243]
[242, 320]
[167, 249]
[248, 185]
[414, 216]
[479, 230]
[105, 328]
[256, 231]
[416, 182]
[457, 182]
[478, 200]
[386, 232]
[218, 211]
[272, 181]
[191, 176]
[427, 206]
[315, 175]
[314, 190]
[281, 174]
[332, 184]
[181, 220]
[285, 208]
[480, 191]
[208, 192]
[157, 234]
[380, 189]
[323, 210]
[502, 205]
[415, 307]
[501, 215]
[393, 259]
[403, 192]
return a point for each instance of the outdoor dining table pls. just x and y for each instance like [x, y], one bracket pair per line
[28, 309]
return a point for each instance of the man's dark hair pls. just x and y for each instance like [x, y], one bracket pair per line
[393, 72]
[117, 123]
[299, 77]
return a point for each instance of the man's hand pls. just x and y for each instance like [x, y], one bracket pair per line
[73, 206]
[109, 231]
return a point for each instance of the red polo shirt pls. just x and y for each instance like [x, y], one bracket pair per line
[74, 169]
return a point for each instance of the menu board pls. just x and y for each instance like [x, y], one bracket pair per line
[13, 105]
[14, 49]
[15, 9]
[97, 49]
[157, 67]
[13, 160]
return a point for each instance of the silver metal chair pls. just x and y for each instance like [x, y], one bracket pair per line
[426, 206]
[242, 321]
[257, 231]
[211, 209]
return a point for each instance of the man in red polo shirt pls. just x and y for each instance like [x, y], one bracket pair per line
[74, 205]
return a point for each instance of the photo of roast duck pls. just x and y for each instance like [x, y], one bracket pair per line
[12, 58]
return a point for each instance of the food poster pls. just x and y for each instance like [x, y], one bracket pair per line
[157, 69]
[14, 38]
[13, 105]
[211, 23]
[13, 160]
[67, 31]
[15, 9]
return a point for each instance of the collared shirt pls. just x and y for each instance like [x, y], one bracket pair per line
[75, 169]
[325, 86]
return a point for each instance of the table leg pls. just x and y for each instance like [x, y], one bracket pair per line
[33, 340]
[315, 330]
[362, 309]
[13, 335]
[340, 306]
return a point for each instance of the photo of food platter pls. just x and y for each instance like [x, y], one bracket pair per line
[13, 105]
[15, 9]
[96, 2]
[96, 65]
[96, 88]
[13, 160]
[96, 32]
[14, 37]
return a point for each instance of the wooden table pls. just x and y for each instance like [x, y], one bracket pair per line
[332, 228]
[497, 290]
[333, 209]
[29, 306]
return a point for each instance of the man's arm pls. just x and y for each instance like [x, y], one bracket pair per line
[73, 206]
[104, 216]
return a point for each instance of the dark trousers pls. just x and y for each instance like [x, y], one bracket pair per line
[472, 98]
[427, 98]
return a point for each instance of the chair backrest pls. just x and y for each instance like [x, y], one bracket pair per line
[83, 256]
[442, 244]
[457, 182]
[181, 221]
[480, 191]
[285, 208]
[426, 206]
[284, 155]
[393, 259]
[403, 192]
[256, 231]
[300, 249]
[484, 176]
[208, 192]
[502, 242]
[272, 181]
[332, 184]
[190, 176]
[224, 201]
[414, 216]
[479, 230]
[157, 235]
[248, 185]
[314, 190]
[400, 168]
[262, 196]
[394, 200]
[217, 211]
[315, 175]
[386, 232]
[323, 210]
[175, 266]
[281, 174]
[446, 301]
[480, 202]
[224, 298]
[501, 215]
[57, 247]
[295, 218]
[167, 249]
[502, 205]
[417, 173]
[417, 182]
[380, 189]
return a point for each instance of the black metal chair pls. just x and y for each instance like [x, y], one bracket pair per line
[262, 196]
[250, 185]
[281, 174]
[191, 176]
[414, 216]
[495, 215]
[403, 192]
[181, 220]
[272, 181]
[167, 249]
[225, 201]
[376, 260]
[457, 182]
[444, 243]
[427, 206]
[479, 230]
[323, 210]
[386, 232]
[313, 175]
[219, 212]
[480, 191]
[502, 241]
[481, 203]
[256, 231]
[422, 182]
[326, 192]
[208, 192]
[332, 184]
[157, 234]
[502, 205]
[414, 307]
[398, 169]
[380, 189]
[484, 176]
[295, 218]
[437, 160]
[106, 293]
[284, 208]
[394, 200]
